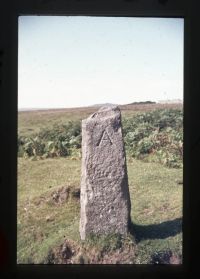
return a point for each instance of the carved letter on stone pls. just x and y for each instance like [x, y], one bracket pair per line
[105, 200]
[105, 139]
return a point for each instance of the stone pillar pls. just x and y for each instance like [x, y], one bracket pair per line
[105, 200]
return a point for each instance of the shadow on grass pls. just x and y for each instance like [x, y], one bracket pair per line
[156, 231]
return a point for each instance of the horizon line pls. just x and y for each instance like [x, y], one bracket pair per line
[94, 105]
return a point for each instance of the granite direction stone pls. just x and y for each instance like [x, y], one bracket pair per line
[105, 200]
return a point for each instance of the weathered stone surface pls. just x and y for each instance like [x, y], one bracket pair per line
[105, 200]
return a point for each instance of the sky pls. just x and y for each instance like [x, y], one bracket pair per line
[74, 61]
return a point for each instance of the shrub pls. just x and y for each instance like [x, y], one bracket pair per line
[158, 133]
[155, 136]
[56, 141]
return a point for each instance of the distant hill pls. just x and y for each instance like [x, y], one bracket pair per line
[105, 104]
[142, 103]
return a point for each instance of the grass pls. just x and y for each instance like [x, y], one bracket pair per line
[41, 223]
[49, 207]
[32, 122]
[156, 212]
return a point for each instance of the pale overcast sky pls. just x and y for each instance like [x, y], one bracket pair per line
[72, 61]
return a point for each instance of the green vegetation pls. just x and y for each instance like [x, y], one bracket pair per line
[58, 141]
[49, 168]
[154, 136]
